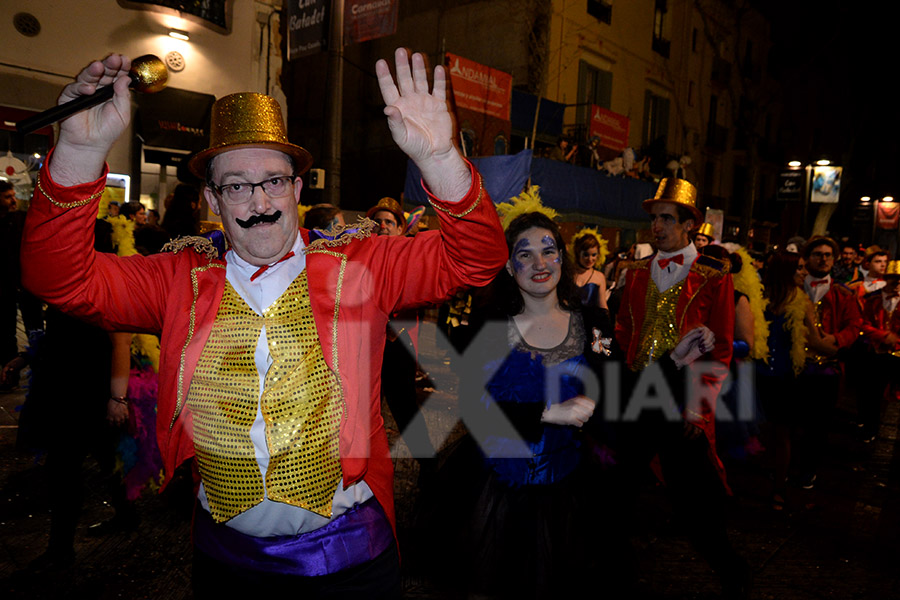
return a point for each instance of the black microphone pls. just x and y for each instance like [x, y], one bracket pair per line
[148, 74]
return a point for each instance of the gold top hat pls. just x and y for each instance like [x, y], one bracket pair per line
[392, 206]
[676, 191]
[248, 120]
[705, 229]
[893, 268]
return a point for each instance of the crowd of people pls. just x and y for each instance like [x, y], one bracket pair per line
[271, 359]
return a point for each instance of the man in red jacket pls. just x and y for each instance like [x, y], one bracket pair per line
[670, 299]
[881, 328]
[270, 354]
[839, 321]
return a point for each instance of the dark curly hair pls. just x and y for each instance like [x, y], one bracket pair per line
[506, 290]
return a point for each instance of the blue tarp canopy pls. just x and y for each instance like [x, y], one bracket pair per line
[565, 187]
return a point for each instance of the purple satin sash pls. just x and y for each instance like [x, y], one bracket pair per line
[355, 537]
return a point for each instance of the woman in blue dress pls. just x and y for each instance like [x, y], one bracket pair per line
[589, 252]
[521, 490]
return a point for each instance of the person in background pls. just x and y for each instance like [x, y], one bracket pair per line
[323, 216]
[875, 264]
[182, 216]
[704, 235]
[845, 269]
[589, 250]
[839, 321]
[881, 366]
[792, 329]
[12, 296]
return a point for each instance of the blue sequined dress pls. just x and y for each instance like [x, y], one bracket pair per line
[526, 531]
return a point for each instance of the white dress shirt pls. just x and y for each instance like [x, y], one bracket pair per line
[816, 292]
[674, 273]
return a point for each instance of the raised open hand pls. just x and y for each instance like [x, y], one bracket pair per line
[86, 137]
[421, 124]
[418, 119]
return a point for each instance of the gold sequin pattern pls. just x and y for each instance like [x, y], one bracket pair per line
[659, 332]
[300, 403]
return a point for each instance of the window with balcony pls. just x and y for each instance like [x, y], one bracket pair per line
[600, 10]
[661, 43]
[656, 120]
[594, 87]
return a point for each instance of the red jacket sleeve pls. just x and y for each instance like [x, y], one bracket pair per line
[60, 266]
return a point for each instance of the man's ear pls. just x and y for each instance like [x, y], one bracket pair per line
[509, 269]
[298, 186]
[212, 199]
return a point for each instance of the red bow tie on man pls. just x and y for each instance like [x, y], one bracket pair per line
[816, 282]
[678, 259]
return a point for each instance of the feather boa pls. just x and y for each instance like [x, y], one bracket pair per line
[138, 453]
[145, 350]
[747, 282]
[602, 253]
[795, 311]
[122, 235]
[526, 202]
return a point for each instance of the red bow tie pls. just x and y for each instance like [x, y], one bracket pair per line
[678, 259]
[816, 282]
[263, 268]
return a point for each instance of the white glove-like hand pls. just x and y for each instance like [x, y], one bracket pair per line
[693, 345]
[574, 411]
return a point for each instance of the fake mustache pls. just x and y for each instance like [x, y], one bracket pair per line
[259, 219]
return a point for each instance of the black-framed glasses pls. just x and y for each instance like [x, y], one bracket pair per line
[241, 191]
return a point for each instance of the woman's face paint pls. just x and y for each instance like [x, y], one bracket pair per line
[536, 262]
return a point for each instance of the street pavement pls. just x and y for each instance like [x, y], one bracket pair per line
[838, 540]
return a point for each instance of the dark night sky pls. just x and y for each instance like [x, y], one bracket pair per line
[839, 60]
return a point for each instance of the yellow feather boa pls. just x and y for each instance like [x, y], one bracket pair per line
[145, 349]
[795, 312]
[602, 253]
[122, 235]
[526, 202]
[747, 282]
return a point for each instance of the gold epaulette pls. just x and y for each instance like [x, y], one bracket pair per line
[711, 266]
[338, 235]
[199, 244]
[843, 289]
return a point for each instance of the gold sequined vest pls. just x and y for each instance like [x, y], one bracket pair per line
[659, 332]
[300, 403]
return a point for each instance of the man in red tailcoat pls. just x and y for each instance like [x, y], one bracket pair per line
[670, 300]
[270, 353]
[881, 330]
[839, 321]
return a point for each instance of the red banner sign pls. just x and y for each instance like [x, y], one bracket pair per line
[479, 88]
[369, 20]
[611, 128]
[888, 215]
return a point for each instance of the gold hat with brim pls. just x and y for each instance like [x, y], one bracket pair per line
[676, 191]
[248, 120]
[392, 206]
[893, 268]
[705, 229]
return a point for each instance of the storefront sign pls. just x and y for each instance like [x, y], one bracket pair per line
[790, 184]
[826, 185]
[176, 119]
[369, 19]
[888, 215]
[307, 27]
